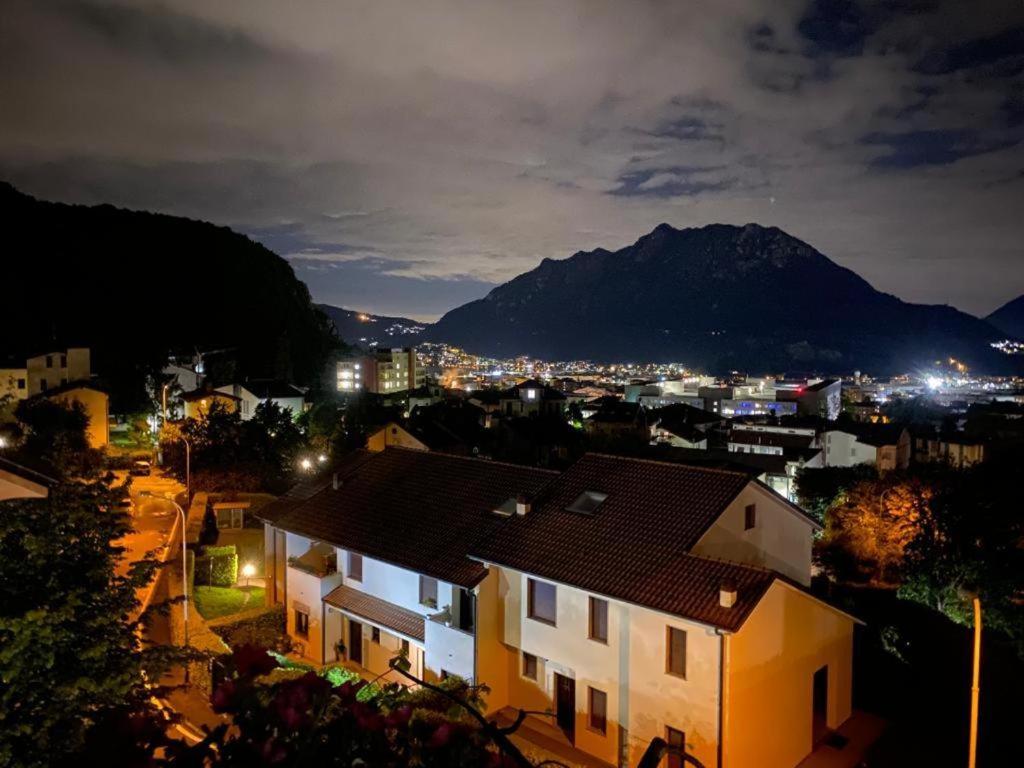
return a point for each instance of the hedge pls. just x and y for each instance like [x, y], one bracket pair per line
[217, 566]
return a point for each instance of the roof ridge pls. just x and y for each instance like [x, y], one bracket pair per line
[662, 462]
[477, 459]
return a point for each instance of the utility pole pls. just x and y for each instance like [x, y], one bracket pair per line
[975, 686]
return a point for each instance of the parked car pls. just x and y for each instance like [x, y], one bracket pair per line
[141, 467]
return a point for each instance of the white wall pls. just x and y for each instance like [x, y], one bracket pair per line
[781, 538]
[449, 649]
[843, 450]
[398, 586]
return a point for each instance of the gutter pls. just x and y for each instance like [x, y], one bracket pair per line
[723, 693]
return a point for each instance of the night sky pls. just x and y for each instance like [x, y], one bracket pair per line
[406, 156]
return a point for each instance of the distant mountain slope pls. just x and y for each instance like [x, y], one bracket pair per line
[1009, 318]
[719, 297]
[364, 330]
[135, 285]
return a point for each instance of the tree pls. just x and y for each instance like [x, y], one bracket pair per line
[54, 437]
[972, 546]
[821, 488]
[69, 656]
[869, 528]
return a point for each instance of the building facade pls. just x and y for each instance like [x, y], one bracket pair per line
[382, 372]
[633, 599]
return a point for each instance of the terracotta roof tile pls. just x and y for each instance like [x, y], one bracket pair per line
[418, 510]
[635, 545]
[377, 611]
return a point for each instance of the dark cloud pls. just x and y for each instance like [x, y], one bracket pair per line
[407, 156]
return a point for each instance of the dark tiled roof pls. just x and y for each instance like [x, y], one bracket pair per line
[776, 439]
[635, 546]
[415, 509]
[377, 611]
[272, 388]
[304, 490]
[546, 392]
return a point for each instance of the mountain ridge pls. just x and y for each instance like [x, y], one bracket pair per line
[719, 297]
[1009, 318]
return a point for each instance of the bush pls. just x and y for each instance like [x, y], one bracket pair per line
[266, 630]
[217, 567]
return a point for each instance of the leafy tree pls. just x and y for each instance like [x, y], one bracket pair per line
[820, 488]
[972, 546]
[209, 533]
[54, 436]
[870, 527]
[69, 656]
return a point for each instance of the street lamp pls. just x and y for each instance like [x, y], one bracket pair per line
[975, 686]
[248, 571]
[184, 573]
[164, 399]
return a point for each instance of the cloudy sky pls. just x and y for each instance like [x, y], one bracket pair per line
[406, 156]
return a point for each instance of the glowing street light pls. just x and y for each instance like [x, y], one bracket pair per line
[321, 458]
[306, 464]
[248, 571]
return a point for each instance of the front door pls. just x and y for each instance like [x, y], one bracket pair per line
[355, 642]
[819, 705]
[565, 705]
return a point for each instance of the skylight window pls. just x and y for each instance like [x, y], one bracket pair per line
[587, 502]
[507, 508]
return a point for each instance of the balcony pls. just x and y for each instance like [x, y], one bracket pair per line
[320, 561]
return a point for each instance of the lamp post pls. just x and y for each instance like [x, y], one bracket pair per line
[164, 401]
[975, 686]
[184, 573]
[188, 471]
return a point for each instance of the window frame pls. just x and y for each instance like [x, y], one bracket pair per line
[531, 601]
[429, 602]
[675, 761]
[354, 557]
[669, 656]
[602, 728]
[524, 669]
[375, 634]
[591, 615]
[302, 626]
[750, 517]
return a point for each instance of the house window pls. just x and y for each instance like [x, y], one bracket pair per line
[529, 665]
[677, 747]
[21, 383]
[405, 648]
[598, 620]
[531, 394]
[375, 634]
[749, 516]
[428, 591]
[63, 361]
[42, 384]
[49, 361]
[676, 661]
[598, 710]
[301, 623]
[355, 566]
[541, 602]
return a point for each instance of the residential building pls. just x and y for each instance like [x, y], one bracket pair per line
[18, 482]
[821, 398]
[618, 418]
[684, 426]
[255, 391]
[198, 402]
[632, 598]
[954, 448]
[45, 371]
[381, 372]
[887, 446]
[531, 398]
[94, 402]
[394, 435]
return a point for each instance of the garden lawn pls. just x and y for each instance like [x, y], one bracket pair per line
[214, 602]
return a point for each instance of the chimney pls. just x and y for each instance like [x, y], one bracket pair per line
[522, 504]
[727, 594]
[334, 481]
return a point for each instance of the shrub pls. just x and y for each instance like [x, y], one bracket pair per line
[217, 567]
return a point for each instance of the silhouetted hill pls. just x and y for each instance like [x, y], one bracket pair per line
[1009, 318]
[135, 286]
[719, 297]
[363, 329]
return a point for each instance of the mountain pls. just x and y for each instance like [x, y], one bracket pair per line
[1009, 318]
[135, 286]
[365, 330]
[719, 298]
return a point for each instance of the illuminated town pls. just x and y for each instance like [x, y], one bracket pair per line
[580, 384]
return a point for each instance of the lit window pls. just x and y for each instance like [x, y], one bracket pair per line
[531, 394]
[541, 603]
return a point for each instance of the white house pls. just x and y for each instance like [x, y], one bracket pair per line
[887, 446]
[632, 598]
[255, 391]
